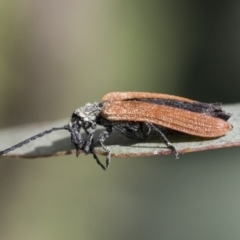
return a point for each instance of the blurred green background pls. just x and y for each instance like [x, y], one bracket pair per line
[57, 55]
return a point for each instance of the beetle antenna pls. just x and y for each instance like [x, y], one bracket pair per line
[66, 127]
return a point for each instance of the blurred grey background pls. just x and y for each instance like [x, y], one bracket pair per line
[57, 55]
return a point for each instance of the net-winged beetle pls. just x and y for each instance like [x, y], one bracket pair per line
[136, 115]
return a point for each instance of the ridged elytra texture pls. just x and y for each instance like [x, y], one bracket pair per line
[118, 96]
[192, 123]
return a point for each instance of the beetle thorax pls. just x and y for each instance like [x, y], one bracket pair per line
[88, 113]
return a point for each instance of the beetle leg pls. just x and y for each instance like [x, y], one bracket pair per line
[76, 138]
[165, 140]
[101, 139]
[96, 158]
[90, 139]
[83, 145]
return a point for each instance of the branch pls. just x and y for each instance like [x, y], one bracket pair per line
[59, 143]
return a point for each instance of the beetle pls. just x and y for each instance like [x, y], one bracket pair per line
[138, 115]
